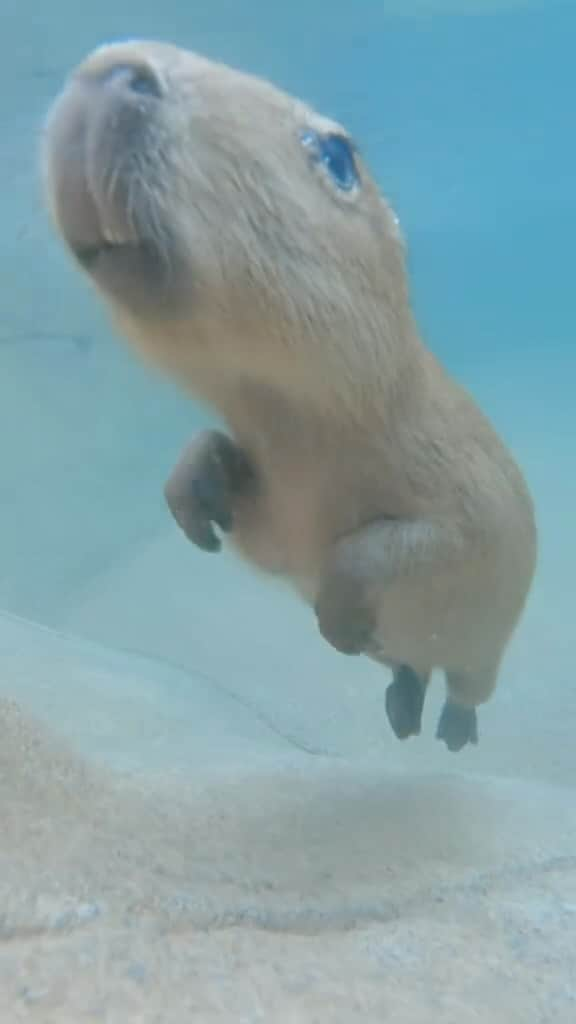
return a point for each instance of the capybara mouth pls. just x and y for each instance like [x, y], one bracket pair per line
[96, 256]
[136, 274]
[91, 255]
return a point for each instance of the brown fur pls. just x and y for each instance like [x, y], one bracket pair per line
[284, 305]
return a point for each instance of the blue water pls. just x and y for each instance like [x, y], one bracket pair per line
[256, 782]
[465, 112]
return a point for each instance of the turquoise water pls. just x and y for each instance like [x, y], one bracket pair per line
[465, 112]
[251, 843]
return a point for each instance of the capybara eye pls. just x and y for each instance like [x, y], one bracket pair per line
[336, 154]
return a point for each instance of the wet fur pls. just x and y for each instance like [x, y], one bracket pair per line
[383, 493]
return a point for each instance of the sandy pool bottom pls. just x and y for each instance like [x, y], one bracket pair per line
[290, 891]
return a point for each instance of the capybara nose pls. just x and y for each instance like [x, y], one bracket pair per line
[137, 78]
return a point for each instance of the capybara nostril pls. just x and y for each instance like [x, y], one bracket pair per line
[137, 78]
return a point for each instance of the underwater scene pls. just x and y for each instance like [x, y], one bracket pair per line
[257, 222]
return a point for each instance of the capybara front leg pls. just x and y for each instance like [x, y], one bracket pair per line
[200, 491]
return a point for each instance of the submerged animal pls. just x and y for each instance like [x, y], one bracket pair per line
[244, 249]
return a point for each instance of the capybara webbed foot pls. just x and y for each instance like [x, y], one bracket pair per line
[211, 472]
[405, 702]
[457, 726]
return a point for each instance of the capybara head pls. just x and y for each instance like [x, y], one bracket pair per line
[208, 205]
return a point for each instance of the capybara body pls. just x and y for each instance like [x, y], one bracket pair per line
[244, 248]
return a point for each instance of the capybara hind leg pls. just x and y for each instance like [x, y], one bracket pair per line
[458, 724]
[200, 491]
[362, 565]
[405, 702]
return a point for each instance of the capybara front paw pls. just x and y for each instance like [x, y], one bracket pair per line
[201, 489]
[405, 702]
[457, 726]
